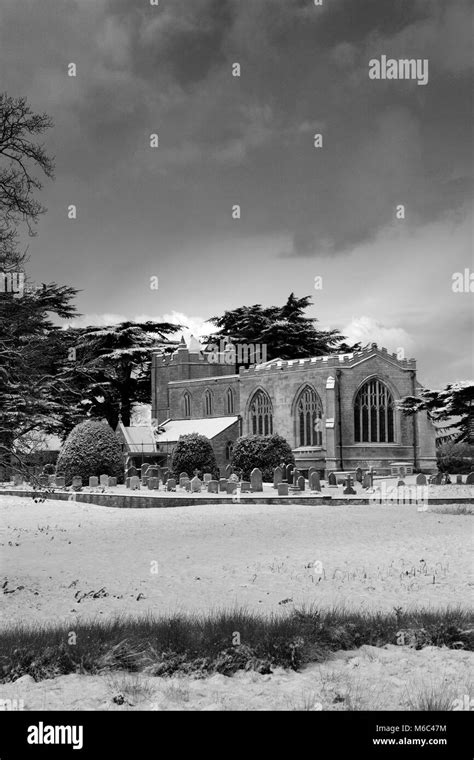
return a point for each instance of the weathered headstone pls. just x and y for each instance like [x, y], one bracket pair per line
[348, 490]
[289, 472]
[93, 481]
[213, 486]
[301, 483]
[182, 481]
[135, 483]
[153, 472]
[207, 477]
[171, 484]
[112, 482]
[295, 476]
[223, 484]
[368, 480]
[421, 479]
[314, 482]
[104, 480]
[245, 486]
[144, 468]
[277, 476]
[153, 484]
[127, 482]
[60, 481]
[332, 479]
[256, 483]
[437, 479]
[131, 472]
[282, 489]
[459, 480]
[183, 475]
[231, 486]
[359, 475]
[77, 481]
[196, 484]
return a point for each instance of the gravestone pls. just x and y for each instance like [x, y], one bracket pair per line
[437, 479]
[153, 472]
[301, 483]
[93, 481]
[289, 471]
[223, 484]
[348, 490]
[135, 483]
[256, 480]
[245, 486]
[368, 480]
[60, 481]
[359, 475]
[132, 472]
[421, 479]
[234, 478]
[277, 476]
[231, 486]
[400, 483]
[314, 482]
[104, 480]
[127, 482]
[77, 481]
[207, 477]
[51, 480]
[282, 489]
[213, 486]
[183, 475]
[171, 484]
[187, 485]
[43, 481]
[196, 484]
[153, 484]
[143, 469]
[332, 479]
[182, 481]
[295, 476]
[112, 482]
[228, 471]
[446, 480]
[459, 480]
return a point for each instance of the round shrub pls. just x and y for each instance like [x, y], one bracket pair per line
[455, 457]
[49, 469]
[194, 452]
[263, 451]
[91, 448]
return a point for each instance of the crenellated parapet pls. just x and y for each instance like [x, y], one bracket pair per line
[330, 360]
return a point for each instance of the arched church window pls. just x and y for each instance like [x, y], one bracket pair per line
[187, 405]
[208, 403]
[309, 413]
[373, 414]
[261, 414]
[229, 401]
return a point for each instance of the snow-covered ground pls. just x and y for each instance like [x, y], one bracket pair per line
[266, 558]
[370, 678]
[213, 556]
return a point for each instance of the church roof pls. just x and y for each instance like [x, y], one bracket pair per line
[208, 426]
[138, 438]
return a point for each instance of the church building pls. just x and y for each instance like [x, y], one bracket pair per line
[337, 412]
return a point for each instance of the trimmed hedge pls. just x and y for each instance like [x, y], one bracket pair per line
[194, 452]
[263, 451]
[91, 448]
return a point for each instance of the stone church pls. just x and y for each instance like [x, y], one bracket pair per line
[337, 412]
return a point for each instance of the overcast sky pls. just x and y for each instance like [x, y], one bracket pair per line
[307, 212]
